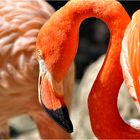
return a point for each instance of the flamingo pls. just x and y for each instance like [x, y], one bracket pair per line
[20, 22]
[56, 46]
[130, 58]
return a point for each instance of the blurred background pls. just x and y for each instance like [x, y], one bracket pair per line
[93, 43]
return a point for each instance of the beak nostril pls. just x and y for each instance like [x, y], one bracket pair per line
[40, 79]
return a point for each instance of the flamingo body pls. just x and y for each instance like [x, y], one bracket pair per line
[20, 22]
[130, 58]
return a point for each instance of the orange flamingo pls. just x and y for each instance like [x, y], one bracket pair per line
[130, 59]
[56, 47]
[20, 22]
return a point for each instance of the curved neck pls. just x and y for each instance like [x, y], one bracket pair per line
[58, 40]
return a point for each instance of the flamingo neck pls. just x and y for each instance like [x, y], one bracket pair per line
[58, 38]
[60, 35]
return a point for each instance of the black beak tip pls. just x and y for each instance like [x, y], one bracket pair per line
[61, 116]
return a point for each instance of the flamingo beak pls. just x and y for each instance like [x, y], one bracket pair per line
[51, 97]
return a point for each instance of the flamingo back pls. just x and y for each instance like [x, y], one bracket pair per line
[20, 22]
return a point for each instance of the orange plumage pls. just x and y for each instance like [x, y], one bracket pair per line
[58, 42]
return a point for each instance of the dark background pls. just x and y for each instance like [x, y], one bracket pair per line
[94, 36]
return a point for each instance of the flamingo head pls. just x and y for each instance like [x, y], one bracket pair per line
[51, 96]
